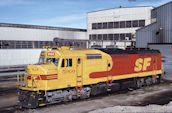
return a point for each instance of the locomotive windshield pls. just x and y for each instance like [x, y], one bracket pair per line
[41, 60]
[53, 60]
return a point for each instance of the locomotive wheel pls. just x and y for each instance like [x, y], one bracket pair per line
[148, 81]
[139, 82]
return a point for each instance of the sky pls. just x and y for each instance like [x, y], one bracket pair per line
[61, 13]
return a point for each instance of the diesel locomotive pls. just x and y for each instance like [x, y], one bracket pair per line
[65, 74]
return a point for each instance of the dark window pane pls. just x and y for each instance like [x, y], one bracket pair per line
[30, 44]
[93, 37]
[79, 60]
[110, 36]
[154, 13]
[0, 44]
[104, 36]
[94, 26]
[128, 35]
[99, 25]
[24, 44]
[53, 43]
[11, 44]
[141, 23]
[18, 44]
[105, 25]
[63, 63]
[110, 25]
[100, 37]
[36, 45]
[122, 24]
[90, 37]
[116, 36]
[128, 24]
[122, 36]
[135, 23]
[47, 43]
[41, 44]
[116, 25]
[69, 62]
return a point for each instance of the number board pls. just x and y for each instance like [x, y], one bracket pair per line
[50, 53]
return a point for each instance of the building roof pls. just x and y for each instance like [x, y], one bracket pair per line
[163, 5]
[119, 8]
[146, 26]
[40, 27]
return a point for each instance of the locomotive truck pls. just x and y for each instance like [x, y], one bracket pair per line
[65, 74]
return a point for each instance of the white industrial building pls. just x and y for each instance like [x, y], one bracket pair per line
[116, 27]
[21, 44]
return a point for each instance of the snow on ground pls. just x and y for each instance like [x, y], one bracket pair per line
[135, 109]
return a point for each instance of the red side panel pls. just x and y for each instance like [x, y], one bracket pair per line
[126, 63]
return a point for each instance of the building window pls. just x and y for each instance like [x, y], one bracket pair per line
[99, 36]
[141, 23]
[99, 25]
[116, 24]
[104, 36]
[105, 26]
[122, 36]
[129, 36]
[90, 37]
[122, 24]
[94, 37]
[18, 44]
[116, 36]
[128, 24]
[154, 13]
[30, 44]
[135, 23]
[110, 36]
[110, 25]
[94, 26]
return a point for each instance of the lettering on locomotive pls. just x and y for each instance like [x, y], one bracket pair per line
[50, 53]
[142, 64]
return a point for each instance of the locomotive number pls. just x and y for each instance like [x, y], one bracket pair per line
[142, 64]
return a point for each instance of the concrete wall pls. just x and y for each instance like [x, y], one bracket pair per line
[10, 33]
[9, 57]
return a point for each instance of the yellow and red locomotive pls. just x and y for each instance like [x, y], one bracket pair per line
[65, 73]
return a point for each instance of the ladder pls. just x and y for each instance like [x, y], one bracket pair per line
[79, 85]
[79, 79]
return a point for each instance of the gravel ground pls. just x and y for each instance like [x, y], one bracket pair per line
[131, 101]
[136, 109]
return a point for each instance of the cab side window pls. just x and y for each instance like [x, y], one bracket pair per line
[69, 62]
[63, 63]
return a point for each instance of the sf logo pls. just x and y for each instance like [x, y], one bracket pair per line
[142, 64]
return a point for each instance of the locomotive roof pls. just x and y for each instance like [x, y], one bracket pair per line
[128, 51]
